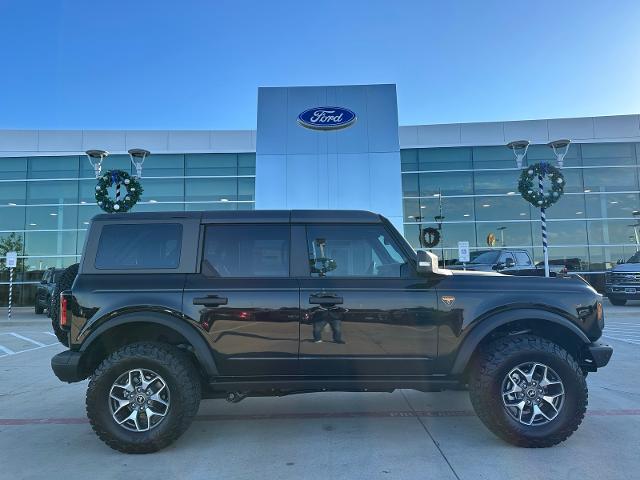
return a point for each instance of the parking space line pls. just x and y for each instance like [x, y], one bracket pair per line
[6, 350]
[50, 333]
[623, 339]
[27, 339]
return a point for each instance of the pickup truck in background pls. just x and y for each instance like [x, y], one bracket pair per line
[622, 282]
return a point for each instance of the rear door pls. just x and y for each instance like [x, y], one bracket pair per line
[364, 310]
[245, 300]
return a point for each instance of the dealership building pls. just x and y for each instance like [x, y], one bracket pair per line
[337, 147]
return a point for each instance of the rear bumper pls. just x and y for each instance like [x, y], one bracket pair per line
[596, 355]
[66, 366]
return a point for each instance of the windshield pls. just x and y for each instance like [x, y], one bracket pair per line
[635, 258]
[484, 257]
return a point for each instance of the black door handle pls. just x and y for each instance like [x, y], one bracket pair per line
[210, 301]
[325, 299]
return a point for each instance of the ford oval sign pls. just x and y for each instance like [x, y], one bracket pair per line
[326, 118]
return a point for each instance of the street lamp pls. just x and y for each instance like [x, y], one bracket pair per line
[519, 148]
[501, 230]
[138, 156]
[560, 149]
[96, 157]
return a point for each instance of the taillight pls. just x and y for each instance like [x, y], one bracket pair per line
[63, 311]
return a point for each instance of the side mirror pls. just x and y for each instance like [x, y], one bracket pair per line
[498, 266]
[427, 262]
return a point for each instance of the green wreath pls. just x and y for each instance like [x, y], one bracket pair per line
[430, 237]
[528, 185]
[123, 202]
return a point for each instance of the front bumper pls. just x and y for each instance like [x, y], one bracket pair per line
[596, 355]
[66, 366]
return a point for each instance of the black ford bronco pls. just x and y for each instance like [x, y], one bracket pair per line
[169, 308]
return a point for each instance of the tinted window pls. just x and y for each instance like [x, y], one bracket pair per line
[246, 251]
[353, 251]
[522, 258]
[143, 246]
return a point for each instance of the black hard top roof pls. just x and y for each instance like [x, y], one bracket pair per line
[253, 216]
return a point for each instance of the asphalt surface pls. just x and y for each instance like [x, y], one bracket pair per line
[44, 432]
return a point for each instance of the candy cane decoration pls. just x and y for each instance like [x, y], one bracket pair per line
[543, 220]
[10, 292]
[117, 192]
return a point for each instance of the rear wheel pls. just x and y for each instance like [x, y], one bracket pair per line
[64, 283]
[143, 397]
[528, 390]
[618, 301]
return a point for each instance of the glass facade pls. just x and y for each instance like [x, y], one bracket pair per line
[591, 227]
[46, 202]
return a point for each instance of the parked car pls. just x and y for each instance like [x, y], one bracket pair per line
[168, 308]
[44, 291]
[504, 260]
[622, 282]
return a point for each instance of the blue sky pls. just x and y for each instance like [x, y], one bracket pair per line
[197, 64]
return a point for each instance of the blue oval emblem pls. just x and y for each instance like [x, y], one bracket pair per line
[326, 118]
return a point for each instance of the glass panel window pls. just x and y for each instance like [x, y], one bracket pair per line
[410, 187]
[542, 153]
[618, 205]
[211, 189]
[453, 209]
[409, 159]
[446, 183]
[493, 157]
[444, 158]
[246, 164]
[50, 243]
[504, 234]
[52, 218]
[12, 168]
[611, 179]
[511, 207]
[246, 251]
[112, 162]
[162, 166]
[217, 164]
[353, 251]
[146, 246]
[608, 154]
[53, 192]
[497, 182]
[604, 232]
[53, 167]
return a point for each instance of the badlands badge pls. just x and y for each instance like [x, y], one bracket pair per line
[448, 300]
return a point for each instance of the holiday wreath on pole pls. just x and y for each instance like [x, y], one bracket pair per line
[123, 201]
[541, 198]
[430, 237]
[535, 194]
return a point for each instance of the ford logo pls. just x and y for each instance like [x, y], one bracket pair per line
[326, 118]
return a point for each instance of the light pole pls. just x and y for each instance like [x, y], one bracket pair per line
[501, 230]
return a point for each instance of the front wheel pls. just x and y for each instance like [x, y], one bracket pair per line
[143, 397]
[528, 390]
[39, 309]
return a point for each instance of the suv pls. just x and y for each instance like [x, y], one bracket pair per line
[169, 308]
[45, 289]
[504, 260]
[622, 282]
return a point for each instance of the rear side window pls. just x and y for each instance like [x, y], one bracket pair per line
[139, 247]
[246, 251]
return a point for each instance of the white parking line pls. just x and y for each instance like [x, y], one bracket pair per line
[49, 333]
[623, 339]
[27, 339]
[6, 350]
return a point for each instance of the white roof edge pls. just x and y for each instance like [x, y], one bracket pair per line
[612, 128]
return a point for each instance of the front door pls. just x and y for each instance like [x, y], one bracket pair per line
[244, 299]
[364, 309]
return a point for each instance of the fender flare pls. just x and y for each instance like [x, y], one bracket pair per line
[201, 348]
[485, 326]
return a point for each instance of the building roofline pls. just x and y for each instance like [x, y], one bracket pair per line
[611, 128]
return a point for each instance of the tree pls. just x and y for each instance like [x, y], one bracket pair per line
[11, 243]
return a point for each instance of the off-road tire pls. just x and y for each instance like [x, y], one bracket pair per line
[488, 371]
[182, 378]
[65, 283]
[619, 302]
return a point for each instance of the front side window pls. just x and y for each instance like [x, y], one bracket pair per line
[246, 251]
[353, 251]
[139, 247]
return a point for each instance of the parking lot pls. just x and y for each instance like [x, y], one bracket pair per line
[44, 432]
